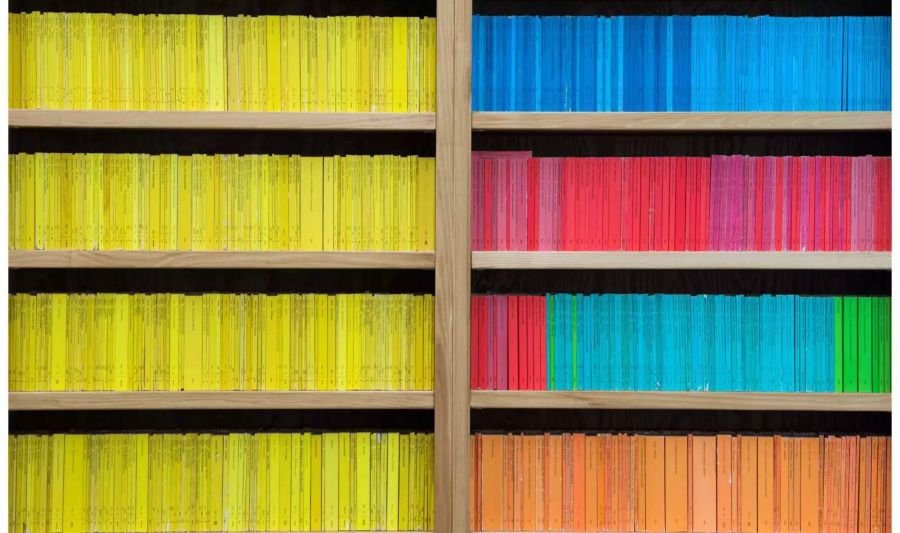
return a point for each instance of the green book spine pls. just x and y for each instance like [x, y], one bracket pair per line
[850, 346]
[838, 344]
[865, 344]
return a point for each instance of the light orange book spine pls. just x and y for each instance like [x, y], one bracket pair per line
[626, 500]
[553, 484]
[578, 482]
[603, 482]
[765, 453]
[690, 483]
[877, 484]
[473, 483]
[640, 474]
[540, 444]
[810, 483]
[568, 485]
[508, 485]
[723, 483]
[491, 482]
[703, 475]
[796, 486]
[748, 480]
[656, 483]
[676, 483]
[529, 474]
[590, 483]
[736, 483]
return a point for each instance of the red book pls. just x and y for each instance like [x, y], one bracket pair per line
[617, 170]
[657, 175]
[578, 201]
[606, 201]
[760, 194]
[705, 172]
[680, 215]
[567, 214]
[513, 341]
[886, 210]
[794, 221]
[643, 206]
[502, 341]
[533, 206]
[813, 242]
[847, 172]
[488, 179]
[691, 207]
[595, 205]
[473, 344]
[526, 362]
[483, 337]
[827, 203]
[541, 351]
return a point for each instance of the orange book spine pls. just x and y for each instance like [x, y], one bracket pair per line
[748, 481]
[518, 470]
[656, 483]
[735, 483]
[810, 480]
[473, 483]
[765, 452]
[640, 474]
[628, 500]
[690, 483]
[578, 482]
[603, 483]
[568, 470]
[553, 485]
[540, 444]
[491, 482]
[509, 496]
[528, 476]
[723, 483]
[591, 476]
[676, 484]
[703, 489]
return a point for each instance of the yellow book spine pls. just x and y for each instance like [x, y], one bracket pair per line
[292, 62]
[15, 60]
[56, 476]
[425, 204]
[362, 64]
[361, 516]
[345, 476]
[399, 69]
[393, 488]
[414, 76]
[73, 483]
[403, 492]
[284, 488]
[316, 482]
[273, 62]
[324, 65]
[59, 344]
[183, 203]
[330, 481]
[418, 303]
[232, 62]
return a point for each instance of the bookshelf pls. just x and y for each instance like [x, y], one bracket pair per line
[688, 121]
[233, 259]
[683, 260]
[734, 401]
[80, 401]
[221, 120]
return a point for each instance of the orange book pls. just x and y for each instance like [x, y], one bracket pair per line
[796, 476]
[676, 484]
[640, 475]
[553, 483]
[578, 482]
[703, 478]
[612, 483]
[655, 490]
[849, 490]
[518, 469]
[474, 487]
[627, 499]
[491, 482]
[591, 476]
[567, 484]
[723, 483]
[780, 487]
[877, 484]
[528, 474]
[887, 492]
[509, 489]
[539, 444]
[735, 483]
[603, 483]
[748, 479]
[864, 481]
[765, 489]
[810, 485]
[690, 483]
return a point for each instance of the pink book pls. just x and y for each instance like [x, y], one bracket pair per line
[543, 204]
[886, 176]
[503, 344]
[749, 237]
[870, 204]
[854, 204]
[521, 177]
[477, 204]
[491, 317]
[738, 202]
[717, 189]
[768, 203]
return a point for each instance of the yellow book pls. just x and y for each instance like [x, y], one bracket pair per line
[212, 230]
[15, 60]
[58, 343]
[418, 329]
[155, 475]
[324, 65]
[122, 343]
[399, 68]
[351, 64]
[329, 204]
[273, 62]
[177, 346]
[316, 482]
[416, 489]
[271, 463]
[293, 61]
[140, 461]
[414, 74]
[55, 468]
[27, 212]
[309, 69]
[193, 343]
[261, 78]
[403, 491]
[346, 478]
[393, 482]
[429, 342]
[73, 483]
[387, 64]
[362, 64]
[298, 470]
[213, 336]
[362, 512]
[232, 46]
[285, 482]
[235, 489]
[312, 197]
[425, 204]
[280, 224]
[330, 481]
[184, 201]
[252, 318]
[230, 335]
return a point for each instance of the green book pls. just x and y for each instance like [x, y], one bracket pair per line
[851, 383]
[838, 344]
[865, 344]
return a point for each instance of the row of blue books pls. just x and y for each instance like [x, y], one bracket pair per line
[681, 63]
[783, 343]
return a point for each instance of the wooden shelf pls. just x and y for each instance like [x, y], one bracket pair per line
[683, 260]
[738, 401]
[221, 120]
[82, 401]
[141, 259]
[678, 121]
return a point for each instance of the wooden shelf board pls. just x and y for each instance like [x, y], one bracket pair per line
[236, 259]
[681, 121]
[683, 260]
[62, 401]
[738, 401]
[220, 120]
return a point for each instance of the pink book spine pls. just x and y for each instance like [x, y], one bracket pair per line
[543, 218]
[768, 211]
[477, 203]
[749, 204]
[870, 204]
[886, 170]
[786, 187]
[738, 202]
[854, 204]
[491, 317]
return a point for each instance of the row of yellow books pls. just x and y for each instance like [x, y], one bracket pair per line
[76, 483]
[220, 202]
[212, 62]
[128, 342]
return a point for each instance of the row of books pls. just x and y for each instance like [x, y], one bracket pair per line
[126, 342]
[109, 201]
[684, 483]
[647, 342]
[816, 203]
[217, 63]
[104, 483]
[681, 63]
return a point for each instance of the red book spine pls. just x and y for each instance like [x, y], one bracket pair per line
[848, 202]
[779, 203]
[525, 363]
[814, 214]
[606, 200]
[827, 203]
[474, 368]
[513, 342]
[886, 210]
[643, 205]
[657, 174]
[488, 173]
[594, 206]
[578, 196]
[690, 222]
[794, 181]
[680, 202]
[615, 189]
[541, 351]
[483, 339]
[477, 204]
[705, 169]
[502, 342]
[532, 215]
[566, 214]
